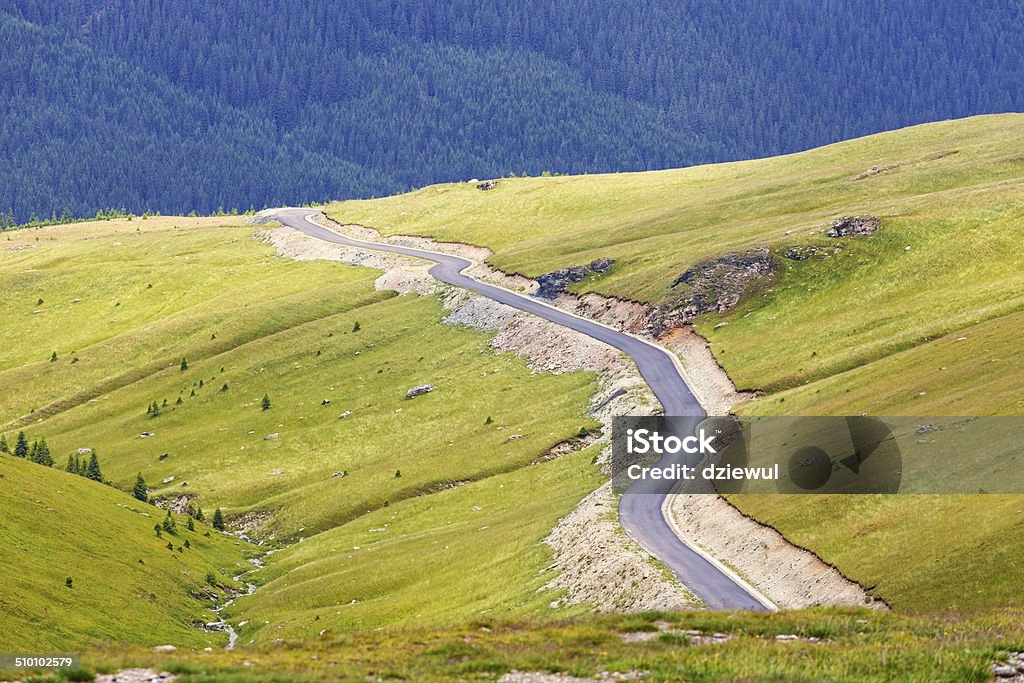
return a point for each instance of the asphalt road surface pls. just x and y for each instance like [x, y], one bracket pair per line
[640, 511]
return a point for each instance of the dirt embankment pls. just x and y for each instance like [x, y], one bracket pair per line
[791, 577]
[596, 562]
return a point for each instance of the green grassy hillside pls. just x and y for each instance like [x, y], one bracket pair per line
[126, 585]
[258, 324]
[947, 257]
[123, 302]
[465, 553]
[921, 318]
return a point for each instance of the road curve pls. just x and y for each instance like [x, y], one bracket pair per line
[640, 515]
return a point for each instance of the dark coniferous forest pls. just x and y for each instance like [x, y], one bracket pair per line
[206, 104]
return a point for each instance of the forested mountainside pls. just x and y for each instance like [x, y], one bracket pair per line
[174, 107]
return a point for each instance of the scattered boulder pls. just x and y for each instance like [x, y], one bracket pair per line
[602, 265]
[718, 285]
[419, 390]
[345, 414]
[854, 226]
[325, 402]
[341, 473]
[146, 435]
[164, 648]
[268, 437]
[163, 456]
[168, 480]
[84, 451]
[487, 185]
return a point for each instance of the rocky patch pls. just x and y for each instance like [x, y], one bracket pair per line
[137, 676]
[874, 170]
[176, 504]
[854, 226]
[556, 282]
[1011, 669]
[487, 185]
[803, 252]
[718, 285]
[516, 676]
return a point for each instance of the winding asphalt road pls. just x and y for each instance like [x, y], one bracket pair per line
[640, 513]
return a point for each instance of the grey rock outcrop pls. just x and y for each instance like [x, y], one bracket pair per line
[854, 226]
[419, 390]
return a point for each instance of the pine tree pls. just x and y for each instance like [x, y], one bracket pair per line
[139, 490]
[199, 514]
[53, 356]
[265, 402]
[72, 465]
[184, 364]
[168, 523]
[33, 453]
[4, 448]
[356, 328]
[43, 456]
[218, 520]
[21, 447]
[92, 470]
[191, 525]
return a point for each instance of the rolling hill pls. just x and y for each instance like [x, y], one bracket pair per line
[414, 526]
[196, 316]
[919, 318]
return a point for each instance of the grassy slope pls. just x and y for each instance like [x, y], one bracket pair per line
[956, 211]
[876, 328]
[855, 645]
[441, 559]
[286, 328]
[127, 586]
[264, 325]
